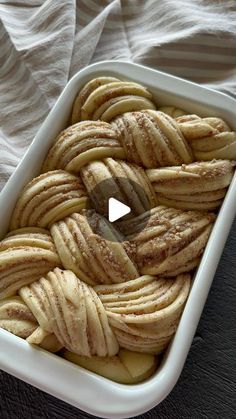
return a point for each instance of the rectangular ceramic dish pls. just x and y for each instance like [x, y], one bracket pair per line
[81, 388]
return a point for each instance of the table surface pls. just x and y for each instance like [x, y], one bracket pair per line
[207, 386]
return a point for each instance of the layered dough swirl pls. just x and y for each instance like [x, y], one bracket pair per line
[171, 241]
[48, 198]
[144, 313]
[81, 143]
[17, 318]
[69, 308]
[149, 138]
[210, 138]
[152, 139]
[106, 97]
[25, 256]
[141, 315]
[200, 185]
[125, 181]
[93, 249]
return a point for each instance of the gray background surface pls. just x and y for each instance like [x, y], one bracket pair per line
[207, 386]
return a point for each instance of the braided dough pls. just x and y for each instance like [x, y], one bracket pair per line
[152, 138]
[48, 198]
[209, 138]
[92, 287]
[25, 256]
[104, 98]
[67, 307]
[91, 321]
[200, 185]
[170, 241]
[144, 313]
[92, 248]
[81, 143]
[125, 181]
[17, 318]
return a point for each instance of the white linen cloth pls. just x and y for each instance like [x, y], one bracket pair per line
[43, 43]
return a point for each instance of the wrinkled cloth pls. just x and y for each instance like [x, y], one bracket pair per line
[44, 43]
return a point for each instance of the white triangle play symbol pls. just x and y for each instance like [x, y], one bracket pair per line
[116, 209]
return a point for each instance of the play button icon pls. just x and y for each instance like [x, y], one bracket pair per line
[117, 210]
[119, 200]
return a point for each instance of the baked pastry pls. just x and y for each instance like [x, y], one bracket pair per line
[171, 241]
[125, 181]
[81, 143]
[69, 308]
[105, 98]
[152, 139]
[200, 185]
[210, 138]
[25, 256]
[48, 198]
[144, 313]
[93, 249]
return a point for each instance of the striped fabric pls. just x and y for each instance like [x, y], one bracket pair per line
[43, 43]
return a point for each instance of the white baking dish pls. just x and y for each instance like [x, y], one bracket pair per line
[79, 387]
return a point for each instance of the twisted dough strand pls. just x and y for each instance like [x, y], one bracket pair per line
[70, 309]
[48, 198]
[16, 317]
[200, 185]
[105, 98]
[210, 138]
[152, 139]
[170, 242]
[93, 249]
[85, 92]
[141, 315]
[81, 143]
[125, 181]
[25, 256]
[145, 312]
